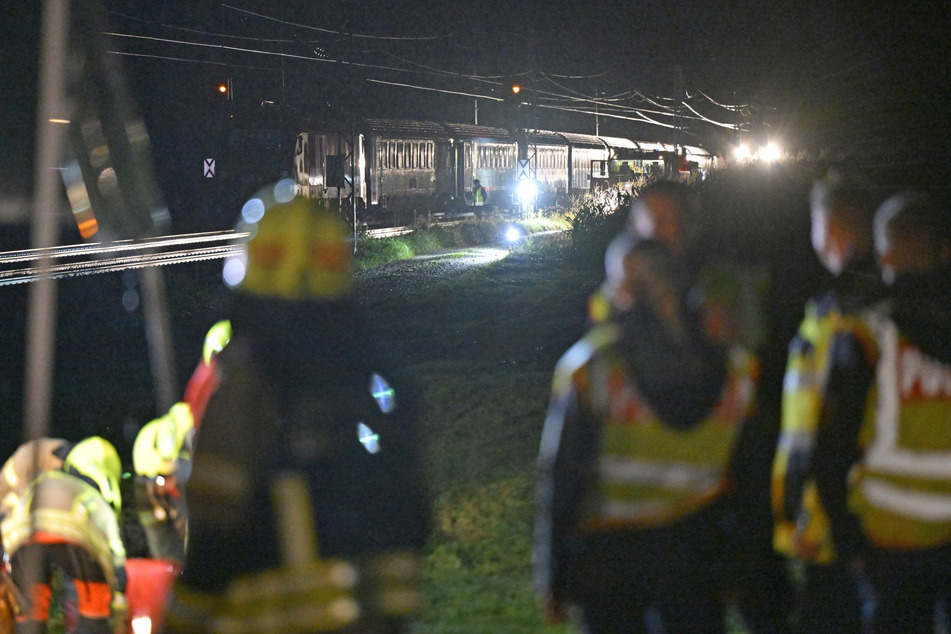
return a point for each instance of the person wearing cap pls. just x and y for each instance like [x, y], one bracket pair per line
[307, 507]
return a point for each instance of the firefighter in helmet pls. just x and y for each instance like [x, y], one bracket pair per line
[161, 457]
[68, 519]
[306, 505]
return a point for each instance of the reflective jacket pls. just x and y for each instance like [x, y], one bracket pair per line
[58, 504]
[801, 524]
[609, 463]
[648, 474]
[31, 458]
[478, 196]
[901, 490]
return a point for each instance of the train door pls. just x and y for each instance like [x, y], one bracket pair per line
[445, 168]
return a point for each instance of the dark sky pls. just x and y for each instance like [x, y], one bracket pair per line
[821, 74]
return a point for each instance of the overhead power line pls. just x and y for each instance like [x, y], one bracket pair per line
[334, 32]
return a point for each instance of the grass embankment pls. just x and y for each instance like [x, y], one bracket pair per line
[433, 237]
[482, 378]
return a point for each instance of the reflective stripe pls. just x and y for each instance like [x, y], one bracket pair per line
[679, 476]
[930, 507]
[297, 536]
[802, 379]
[796, 440]
[885, 455]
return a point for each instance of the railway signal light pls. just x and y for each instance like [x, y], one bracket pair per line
[225, 89]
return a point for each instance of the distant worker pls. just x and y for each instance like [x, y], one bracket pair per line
[307, 510]
[829, 598]
[479, 195]
[161, 457]
[68, 520]
[635, 459]
[883, 452]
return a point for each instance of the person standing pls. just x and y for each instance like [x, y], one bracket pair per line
[479, 195]
[829, 598]
[635, 459]
[882, 460]
[306, 504]
[728, 298]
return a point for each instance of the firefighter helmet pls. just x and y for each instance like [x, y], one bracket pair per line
[160, 441]
[217, 338]
[296, 249]
[96, 459]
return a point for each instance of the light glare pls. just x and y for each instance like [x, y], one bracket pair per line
[253, 210]
[526, 191]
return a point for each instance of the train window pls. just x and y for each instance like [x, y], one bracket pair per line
[391, 153]
[430, 155]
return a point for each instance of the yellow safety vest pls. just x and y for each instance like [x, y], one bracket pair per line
[650, 474]
[901, 489]
[803, 531]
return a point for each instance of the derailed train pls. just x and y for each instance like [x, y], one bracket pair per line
[401, 166]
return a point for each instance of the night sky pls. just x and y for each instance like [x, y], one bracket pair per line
[833, 77]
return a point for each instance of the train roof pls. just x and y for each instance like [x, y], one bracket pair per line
[434, 130]
[620, 147]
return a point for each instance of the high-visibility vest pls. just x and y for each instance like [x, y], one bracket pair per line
[650, 474]
[801, 525]
[478, 196]
[901, 489]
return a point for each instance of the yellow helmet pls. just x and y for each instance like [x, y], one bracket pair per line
[217, 338]
[95, 458]
[156, 448]
[296, 248]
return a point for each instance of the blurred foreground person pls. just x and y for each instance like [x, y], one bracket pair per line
[829, 600]
[204, 379]
[68, 520]
[883, 451]
[634, 463]
[307, 508]
[29, 460]
[161, 457]
[729, 298]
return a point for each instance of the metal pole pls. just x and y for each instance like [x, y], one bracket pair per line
[41, 310]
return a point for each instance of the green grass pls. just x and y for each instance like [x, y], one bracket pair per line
[427, 238]
[481, 347]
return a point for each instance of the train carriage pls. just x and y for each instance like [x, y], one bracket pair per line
[400, 167]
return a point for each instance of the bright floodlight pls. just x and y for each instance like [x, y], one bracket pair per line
[526, 191]
[742, 151]
[771, 152]
[513, 234]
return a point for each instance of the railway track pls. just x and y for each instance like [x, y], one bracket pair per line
[29, 265]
